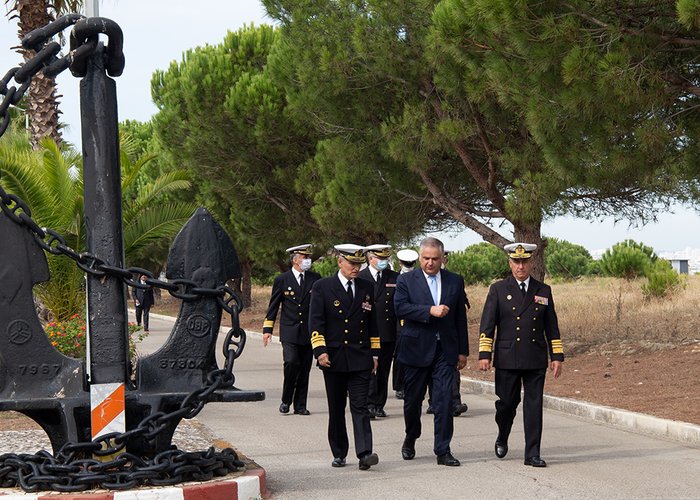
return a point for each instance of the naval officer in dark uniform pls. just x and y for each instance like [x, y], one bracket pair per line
[384, 280]
[292, 291]
[407, 260]
[346, 344]
[519, 315]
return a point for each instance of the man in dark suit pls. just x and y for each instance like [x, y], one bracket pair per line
[519, 313]
[292, 290]
[384, 280]
[457, 406]
[143, 301]
[346, 344]
[431, 306]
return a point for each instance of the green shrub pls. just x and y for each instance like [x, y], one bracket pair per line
[662, 280]
[627, 259]
[566, 260]
[480, 263]
[325, 266]
[594, 268]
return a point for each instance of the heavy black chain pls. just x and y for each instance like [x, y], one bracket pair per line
[83, 43]
[70, 470]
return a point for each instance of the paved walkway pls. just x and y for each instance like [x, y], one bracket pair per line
[586, 460]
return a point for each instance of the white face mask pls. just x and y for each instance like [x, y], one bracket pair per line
[305, 264]
[382, 264]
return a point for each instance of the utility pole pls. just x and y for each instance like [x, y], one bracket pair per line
[92, 8]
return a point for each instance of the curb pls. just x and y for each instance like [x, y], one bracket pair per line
[640, 423]
[251, 485]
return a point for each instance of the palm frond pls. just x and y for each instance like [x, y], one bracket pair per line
[154, 223]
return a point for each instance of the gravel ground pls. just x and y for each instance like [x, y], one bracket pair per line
[190, 435]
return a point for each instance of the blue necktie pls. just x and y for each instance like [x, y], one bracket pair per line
[433, 288]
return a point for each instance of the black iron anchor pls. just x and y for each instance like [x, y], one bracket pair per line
[35, 379]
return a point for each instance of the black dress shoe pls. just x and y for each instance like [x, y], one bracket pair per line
[429, 411]
[459, 409]
[380, 413]
[284, 408]
[501, 449]
[535, 462]
[338, 462]
[368, 460]
[399, 394]
[302, 411]
[447, 459]
[408, 449]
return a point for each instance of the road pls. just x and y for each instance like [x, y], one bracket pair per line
[585, 460]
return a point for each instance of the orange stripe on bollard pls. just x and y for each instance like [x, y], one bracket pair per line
[107, 402]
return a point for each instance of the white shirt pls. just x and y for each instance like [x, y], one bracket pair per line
[344, 282]
[374, 272]
[439, 284]
[296, 275]
[527, 284]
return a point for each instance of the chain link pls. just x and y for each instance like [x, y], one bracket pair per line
[69, 470]
[83, 43]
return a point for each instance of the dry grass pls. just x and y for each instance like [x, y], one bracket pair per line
[610, 315]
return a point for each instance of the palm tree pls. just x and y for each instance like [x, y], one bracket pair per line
[42, 102]
[50, 181]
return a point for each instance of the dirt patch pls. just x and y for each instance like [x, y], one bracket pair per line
[664, 383]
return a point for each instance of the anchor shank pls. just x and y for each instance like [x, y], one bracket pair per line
[107, 313]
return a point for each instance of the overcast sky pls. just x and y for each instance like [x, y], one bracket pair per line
[157, 32]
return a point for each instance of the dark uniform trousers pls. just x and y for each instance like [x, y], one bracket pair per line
[379, 382]
[397, 375]
[296, 360]
[521, 333]
[339, 388]
[385, 319]
[346, 331]
[508, 385]
[416, 379]
[294, 333]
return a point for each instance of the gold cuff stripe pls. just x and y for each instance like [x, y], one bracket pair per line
[556, 342]
[374, 343]
[485, 344]
[268, 323]
[557, 350]
[317, 340]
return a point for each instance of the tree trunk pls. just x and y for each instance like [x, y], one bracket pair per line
[246, 284]
[42, 103]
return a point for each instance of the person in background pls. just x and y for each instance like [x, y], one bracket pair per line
[431, 305]
[292, 291]
[384, 280]
[519, 320]
[143, 301]
[346, 346]
[407, 260]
